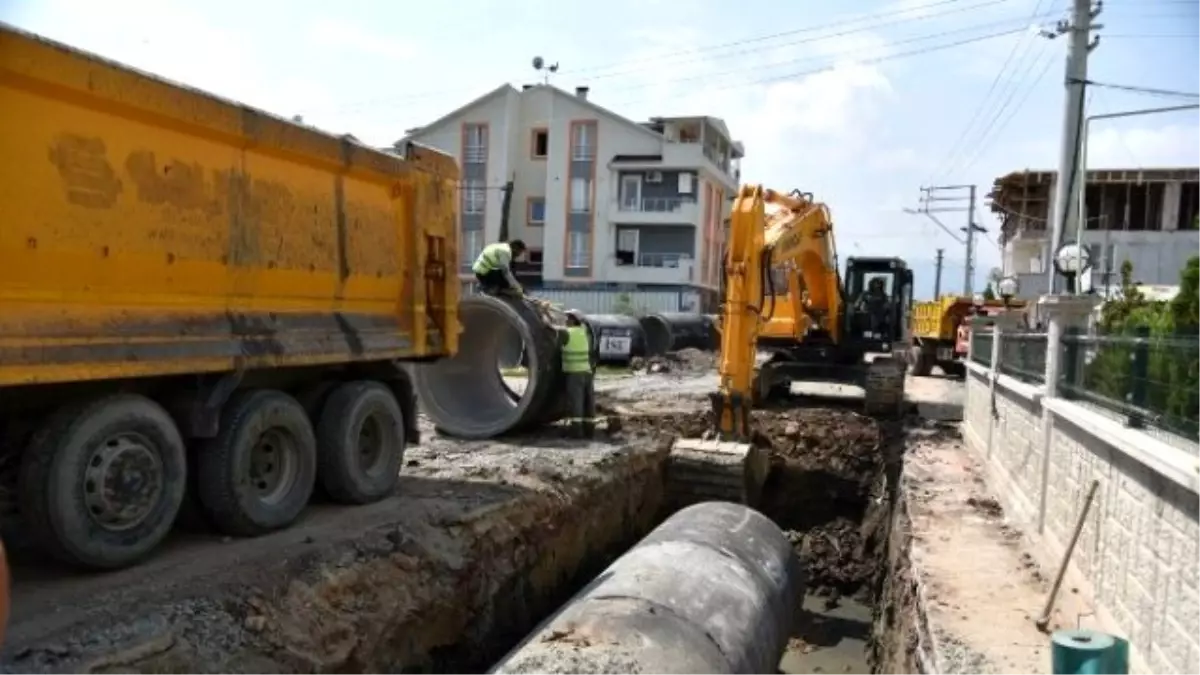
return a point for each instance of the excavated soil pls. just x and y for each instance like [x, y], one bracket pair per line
[685, 362]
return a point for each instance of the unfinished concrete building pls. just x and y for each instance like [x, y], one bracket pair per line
[1145, 216]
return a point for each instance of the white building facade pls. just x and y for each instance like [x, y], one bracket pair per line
[608, 206]
[1147, 217]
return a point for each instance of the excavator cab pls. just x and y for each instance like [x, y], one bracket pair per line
[878, 299]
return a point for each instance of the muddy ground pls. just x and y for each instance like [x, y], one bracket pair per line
[482, 539]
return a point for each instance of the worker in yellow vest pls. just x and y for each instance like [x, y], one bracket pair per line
[579, 366]
[493, 268]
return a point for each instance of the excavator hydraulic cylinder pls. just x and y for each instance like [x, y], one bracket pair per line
[713, 589]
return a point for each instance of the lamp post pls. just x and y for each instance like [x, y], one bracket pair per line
[1071, 261]
[1081, 197]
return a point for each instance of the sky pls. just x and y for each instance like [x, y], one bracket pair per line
[861, 102]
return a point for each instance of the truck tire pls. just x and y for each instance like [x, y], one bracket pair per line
[956, 369]
[360, 443]
[258, 473]
[103, 480]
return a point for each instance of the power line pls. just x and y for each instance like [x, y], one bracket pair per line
[641, 67]
[786, 33]
[872, 61]
[666, 59]
[1155, 36]
[810, 59]
[1139, 90]
[954, 147]
[995, 126]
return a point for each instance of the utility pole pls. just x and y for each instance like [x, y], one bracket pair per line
[930, 195]
[937, 276]
[1080, 44]
[970, 229]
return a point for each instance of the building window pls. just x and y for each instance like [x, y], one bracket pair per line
[537, 211]
[685, 183]
[581, 195]
[578, 255]
[472, 246]
[475, 144]
[583, 141]
[631, 192]
[474, 197]
[540, 144]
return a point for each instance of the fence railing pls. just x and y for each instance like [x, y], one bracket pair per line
[1149, 380]
[1023, 356]
[981, 346]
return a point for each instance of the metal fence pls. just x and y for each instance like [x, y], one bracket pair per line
[981, 346]
[1023, 356]
[1149, 380]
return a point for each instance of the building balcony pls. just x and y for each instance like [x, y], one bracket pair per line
[652, 268]
[655, 211]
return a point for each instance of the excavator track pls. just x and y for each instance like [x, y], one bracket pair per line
[884, 388]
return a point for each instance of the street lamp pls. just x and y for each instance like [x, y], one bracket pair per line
[1007, 288]
[1071, 261]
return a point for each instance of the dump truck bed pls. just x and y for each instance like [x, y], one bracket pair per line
[153, 229]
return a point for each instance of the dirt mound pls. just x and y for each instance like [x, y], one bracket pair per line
[683, 362]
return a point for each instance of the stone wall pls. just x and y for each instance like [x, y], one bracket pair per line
[1137, 553]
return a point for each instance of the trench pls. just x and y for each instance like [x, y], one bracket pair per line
[832, 488]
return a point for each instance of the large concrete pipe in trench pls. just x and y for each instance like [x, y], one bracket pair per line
[466, 396]
[712, 590]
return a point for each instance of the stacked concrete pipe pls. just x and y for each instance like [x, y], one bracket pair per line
[605, 327]
[672, 331]
[714, 589]
[467, 397]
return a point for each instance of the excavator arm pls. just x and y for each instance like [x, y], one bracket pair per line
[766, 229]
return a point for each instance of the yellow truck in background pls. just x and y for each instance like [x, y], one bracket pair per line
[198, 297]
[934, 328]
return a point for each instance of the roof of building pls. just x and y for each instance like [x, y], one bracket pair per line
[506, 87]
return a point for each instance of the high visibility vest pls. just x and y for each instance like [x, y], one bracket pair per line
[489, 258]
[575, 354]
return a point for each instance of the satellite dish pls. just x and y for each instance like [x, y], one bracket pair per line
[538, 63]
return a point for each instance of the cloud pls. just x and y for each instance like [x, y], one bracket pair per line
[1168, 145]
[337, 33]
[1165, 146]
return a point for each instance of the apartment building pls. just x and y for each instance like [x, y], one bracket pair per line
[605, 203]
[1145, 216]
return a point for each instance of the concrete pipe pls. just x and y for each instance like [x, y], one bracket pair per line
[466, 396]
[618, 337]
[672, 331]
[711, 590]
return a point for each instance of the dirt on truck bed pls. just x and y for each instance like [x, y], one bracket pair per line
[826, 465]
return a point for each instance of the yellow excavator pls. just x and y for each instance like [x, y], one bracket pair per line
[784, 296]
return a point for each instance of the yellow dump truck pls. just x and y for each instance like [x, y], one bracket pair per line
[198, 297]
[934, 328]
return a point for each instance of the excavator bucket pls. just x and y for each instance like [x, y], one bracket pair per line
[701, 470]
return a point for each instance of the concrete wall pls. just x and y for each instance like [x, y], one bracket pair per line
[1137, 554]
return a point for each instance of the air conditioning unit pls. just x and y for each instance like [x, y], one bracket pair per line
[653, 176]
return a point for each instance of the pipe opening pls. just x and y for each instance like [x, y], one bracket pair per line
[468, 396]
[658, 335]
